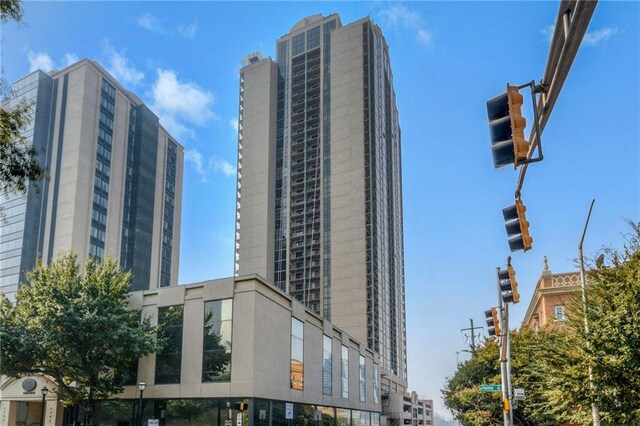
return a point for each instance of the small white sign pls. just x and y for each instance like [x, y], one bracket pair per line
[239, 419]
[518, 394]
[317, 416]
[153, 422]
[288, 411]
[263, 415]
[227, 423]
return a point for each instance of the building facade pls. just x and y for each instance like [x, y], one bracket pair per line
[551, 297]
[240, 352]
[408, 409]
[113, 184]
[319, 200]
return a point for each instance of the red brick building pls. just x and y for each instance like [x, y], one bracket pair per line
[553, 293]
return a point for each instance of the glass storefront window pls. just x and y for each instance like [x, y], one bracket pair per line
[345, 372]
[363, 380]
[327, 365]
[297, 354]
[376, 384]
[169, 359]
[216, 344]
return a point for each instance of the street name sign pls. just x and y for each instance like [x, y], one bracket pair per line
[490, 388]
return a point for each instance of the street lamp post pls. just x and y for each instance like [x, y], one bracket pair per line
[44, 392]
[141, 387]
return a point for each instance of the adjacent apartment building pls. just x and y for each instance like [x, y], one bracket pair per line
[319, 193]
[113, 183]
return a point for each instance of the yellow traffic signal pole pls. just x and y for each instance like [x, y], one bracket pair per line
[509, 388]
[504, 355]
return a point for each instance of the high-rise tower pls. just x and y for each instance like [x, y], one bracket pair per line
[319, 201]
[113, 184]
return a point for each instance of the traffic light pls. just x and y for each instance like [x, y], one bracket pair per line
[509, 285]
[493, 324]
[506, 125]
[517, 227]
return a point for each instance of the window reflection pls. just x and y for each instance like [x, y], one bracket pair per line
[216, 343]
[297, 354]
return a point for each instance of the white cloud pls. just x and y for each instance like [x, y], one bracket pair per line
[424, 37]
[548, 32]
[223, 166]
[119, 66]
[70, 58]
[204, 167]
[402, 18]
[189, 30]
[176, 128]
[594, 38]
[234, 124]
[196, 159]
[150, 22]
[39, 61]
[185, 101]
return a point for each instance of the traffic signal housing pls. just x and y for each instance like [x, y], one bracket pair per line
[506, 126]
[508, 285]
[517, 227]
[493, 324]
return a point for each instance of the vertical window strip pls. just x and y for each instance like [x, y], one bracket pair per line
[327, 365]
[376, 384]
[169, 359]
[217, 341]
[363, 379]
[103, 162]
[297, 354]
[344, 368]
[169, 209]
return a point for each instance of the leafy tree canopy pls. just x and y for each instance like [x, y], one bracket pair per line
[73, 325]
[552, 365]
[10, 9]
[18, 159]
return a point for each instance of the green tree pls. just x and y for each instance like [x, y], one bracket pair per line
[552, 365]
[534, 360]
[462, 395]
[18, 159]
[10, 9]
[74, 326]
[613, 312]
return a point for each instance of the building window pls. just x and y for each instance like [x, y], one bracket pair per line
[363, 380]
[297, 354]
[559, 311]
[376, 384]
[216, 343]
[169, 359]
[297, 45]
[327, 376]
[344, 367]
[313, 38]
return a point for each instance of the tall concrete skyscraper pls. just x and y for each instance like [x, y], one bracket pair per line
[319, 201]
[113, 184]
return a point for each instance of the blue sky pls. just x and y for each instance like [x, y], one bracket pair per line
[448, 59]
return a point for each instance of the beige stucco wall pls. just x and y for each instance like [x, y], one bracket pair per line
[256, 172]
[260, 362]
[348, 231]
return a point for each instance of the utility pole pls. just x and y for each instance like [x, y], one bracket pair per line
[473, 334]
[595, 413]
